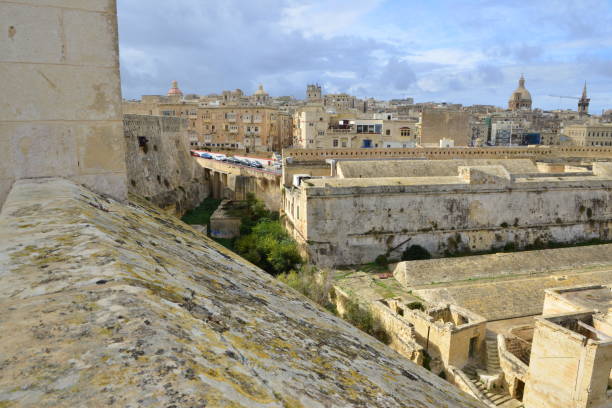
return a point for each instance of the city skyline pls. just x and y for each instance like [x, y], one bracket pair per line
[376, 48]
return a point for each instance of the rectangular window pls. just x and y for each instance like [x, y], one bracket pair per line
[335, 143]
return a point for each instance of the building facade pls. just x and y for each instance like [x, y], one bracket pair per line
[589, 134]
[231, 120]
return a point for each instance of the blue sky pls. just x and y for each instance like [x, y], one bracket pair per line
[462, 51]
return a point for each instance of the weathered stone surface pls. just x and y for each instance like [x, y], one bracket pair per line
[415, 273]
[161, 169]
[351, 221]
[63, 116]
[104, 304]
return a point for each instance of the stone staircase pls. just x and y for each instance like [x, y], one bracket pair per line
[492, 399]
[492, 355]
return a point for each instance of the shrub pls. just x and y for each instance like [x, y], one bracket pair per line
[269, 247]
[305, 281]
[415, 253]
[382, 260]
[415, 305]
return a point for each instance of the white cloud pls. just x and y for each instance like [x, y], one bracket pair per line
[327, 18]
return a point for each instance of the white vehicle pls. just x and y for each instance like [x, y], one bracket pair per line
[219, 156]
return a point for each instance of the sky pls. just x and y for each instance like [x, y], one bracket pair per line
[459, 51]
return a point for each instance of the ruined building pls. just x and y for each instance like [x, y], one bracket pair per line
[106, 300]
[512, 329]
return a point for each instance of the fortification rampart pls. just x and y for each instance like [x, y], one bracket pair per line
[352, 221]
[60, 110]
[159, 165]
[435, 153]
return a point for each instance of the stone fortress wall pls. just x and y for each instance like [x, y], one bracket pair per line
[60, 114]
[479, 208]
[159, 166]
[436, 153]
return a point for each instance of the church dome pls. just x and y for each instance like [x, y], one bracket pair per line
[521, 98]
[521, 91]
[174, 90]
[260, 90]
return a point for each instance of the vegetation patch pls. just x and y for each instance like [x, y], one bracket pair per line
[263, 241]
[201, 215]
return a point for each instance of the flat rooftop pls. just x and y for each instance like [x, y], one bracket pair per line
[425, 168]
[593, 298]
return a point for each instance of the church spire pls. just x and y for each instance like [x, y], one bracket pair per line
[583, 102]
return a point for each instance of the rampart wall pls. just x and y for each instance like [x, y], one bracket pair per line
[435, 153]
[159, 165]
[60, 109]
[344, 225]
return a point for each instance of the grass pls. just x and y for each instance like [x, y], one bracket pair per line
[226, 242]
[386, 292]
[201, 215]
[373, 268]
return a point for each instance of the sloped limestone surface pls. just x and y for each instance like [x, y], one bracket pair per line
[120, 305]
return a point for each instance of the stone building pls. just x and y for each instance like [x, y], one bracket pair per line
[439, 124]
[316, 128]
[520, 98]
[368, 207]
[233, 121]
[254, 128]
[313, 93]
[341, 102]
[589, 134]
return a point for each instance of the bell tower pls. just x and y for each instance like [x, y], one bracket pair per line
[583, 102]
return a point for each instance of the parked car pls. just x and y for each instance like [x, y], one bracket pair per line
[206, 155]
[220, 157]
[194, 153]
[257, 164]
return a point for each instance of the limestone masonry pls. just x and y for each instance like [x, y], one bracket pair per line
[368, 208]
[108, 304]
[60, 66]
[159, 166]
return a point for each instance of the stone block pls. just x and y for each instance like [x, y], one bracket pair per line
[5, 187]
[101, 148]
[30, 34]
[113, 184]
[38, 149]
[52, 92]
[95, 46]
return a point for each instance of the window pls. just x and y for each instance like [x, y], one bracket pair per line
[335, 143]
[388, 132]
[405, 131]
